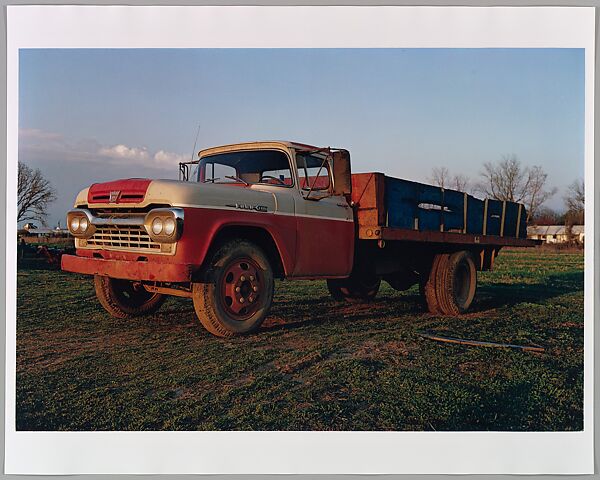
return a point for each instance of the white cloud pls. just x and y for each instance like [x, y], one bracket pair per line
[168, 158]
[124, 152]
[38, 145]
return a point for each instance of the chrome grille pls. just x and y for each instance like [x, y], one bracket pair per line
[130, 237]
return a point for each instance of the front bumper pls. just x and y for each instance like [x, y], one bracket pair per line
[127, 269]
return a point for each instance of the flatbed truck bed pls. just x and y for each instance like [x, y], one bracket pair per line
[386, 206]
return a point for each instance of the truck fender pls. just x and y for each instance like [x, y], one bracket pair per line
[280, 259]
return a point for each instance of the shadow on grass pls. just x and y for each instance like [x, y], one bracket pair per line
[511, 409]
[489, 297]
[325, 310]
[498, 412]
[508, 294]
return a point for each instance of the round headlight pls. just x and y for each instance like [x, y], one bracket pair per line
[83, 224]
[169, 226]
[157, 226]
[75, 224]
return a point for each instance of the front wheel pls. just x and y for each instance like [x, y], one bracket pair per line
[125, 298]
[239, 290]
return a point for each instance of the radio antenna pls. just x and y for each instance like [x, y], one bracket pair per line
[195, 142]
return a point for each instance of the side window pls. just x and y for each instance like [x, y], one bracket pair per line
[315, 177]
[217, 172]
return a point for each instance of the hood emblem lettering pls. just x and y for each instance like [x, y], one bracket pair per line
[114, 196]
[246, 206]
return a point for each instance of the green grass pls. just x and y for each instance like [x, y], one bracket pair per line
[314, 365]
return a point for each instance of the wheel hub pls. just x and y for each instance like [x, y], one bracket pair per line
[241, 288]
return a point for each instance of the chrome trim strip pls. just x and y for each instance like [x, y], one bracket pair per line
[125, 221]
[133, 219]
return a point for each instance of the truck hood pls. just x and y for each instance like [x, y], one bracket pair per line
[141, 192]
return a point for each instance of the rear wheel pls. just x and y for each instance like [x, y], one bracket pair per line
[429, 288]
[450, 286]
[239, 292]
[125, 298]
[458, 283]
[358, 288]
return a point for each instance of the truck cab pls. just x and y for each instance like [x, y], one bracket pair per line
[303, 192]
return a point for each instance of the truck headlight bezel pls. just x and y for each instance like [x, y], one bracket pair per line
[79, 223]
[161, 217]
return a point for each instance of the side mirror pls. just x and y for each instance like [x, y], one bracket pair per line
[342, 176]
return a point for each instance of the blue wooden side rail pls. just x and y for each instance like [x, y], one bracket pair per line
[417, 206]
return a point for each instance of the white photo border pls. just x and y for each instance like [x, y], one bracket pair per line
[297, 452]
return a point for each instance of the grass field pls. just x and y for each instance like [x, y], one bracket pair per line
[315, 364]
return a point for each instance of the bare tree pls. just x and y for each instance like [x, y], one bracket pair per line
[461, 183]
[440, 176]
[509, 180]
[34, 194]
[575, 202]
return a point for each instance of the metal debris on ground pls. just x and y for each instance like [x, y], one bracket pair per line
[477, 343]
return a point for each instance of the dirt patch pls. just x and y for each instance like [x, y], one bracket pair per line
[298, 364]
[50, 352]
[271, 322]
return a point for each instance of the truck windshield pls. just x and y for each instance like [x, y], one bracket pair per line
[267, 167]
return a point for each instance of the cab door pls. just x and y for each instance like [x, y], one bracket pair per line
[324, 223]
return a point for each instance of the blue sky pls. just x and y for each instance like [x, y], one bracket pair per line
[93, 115]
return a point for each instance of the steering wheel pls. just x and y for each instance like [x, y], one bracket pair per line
[279, 180]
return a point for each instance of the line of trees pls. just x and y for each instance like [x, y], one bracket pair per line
[508, 179]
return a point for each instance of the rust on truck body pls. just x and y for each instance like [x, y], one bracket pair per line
[127, 269]
[367, 195]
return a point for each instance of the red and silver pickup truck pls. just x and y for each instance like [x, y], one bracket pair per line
[243, 215]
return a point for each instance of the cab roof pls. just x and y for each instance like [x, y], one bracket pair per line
[258, 145]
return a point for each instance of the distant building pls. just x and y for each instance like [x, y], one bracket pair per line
[556, 233]
[47, 232]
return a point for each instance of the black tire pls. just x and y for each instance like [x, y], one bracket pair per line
[125, 298]
[429, 287]
[238, 293]
[457, 283]
[358, 288]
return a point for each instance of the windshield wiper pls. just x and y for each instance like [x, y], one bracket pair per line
[233, 177]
